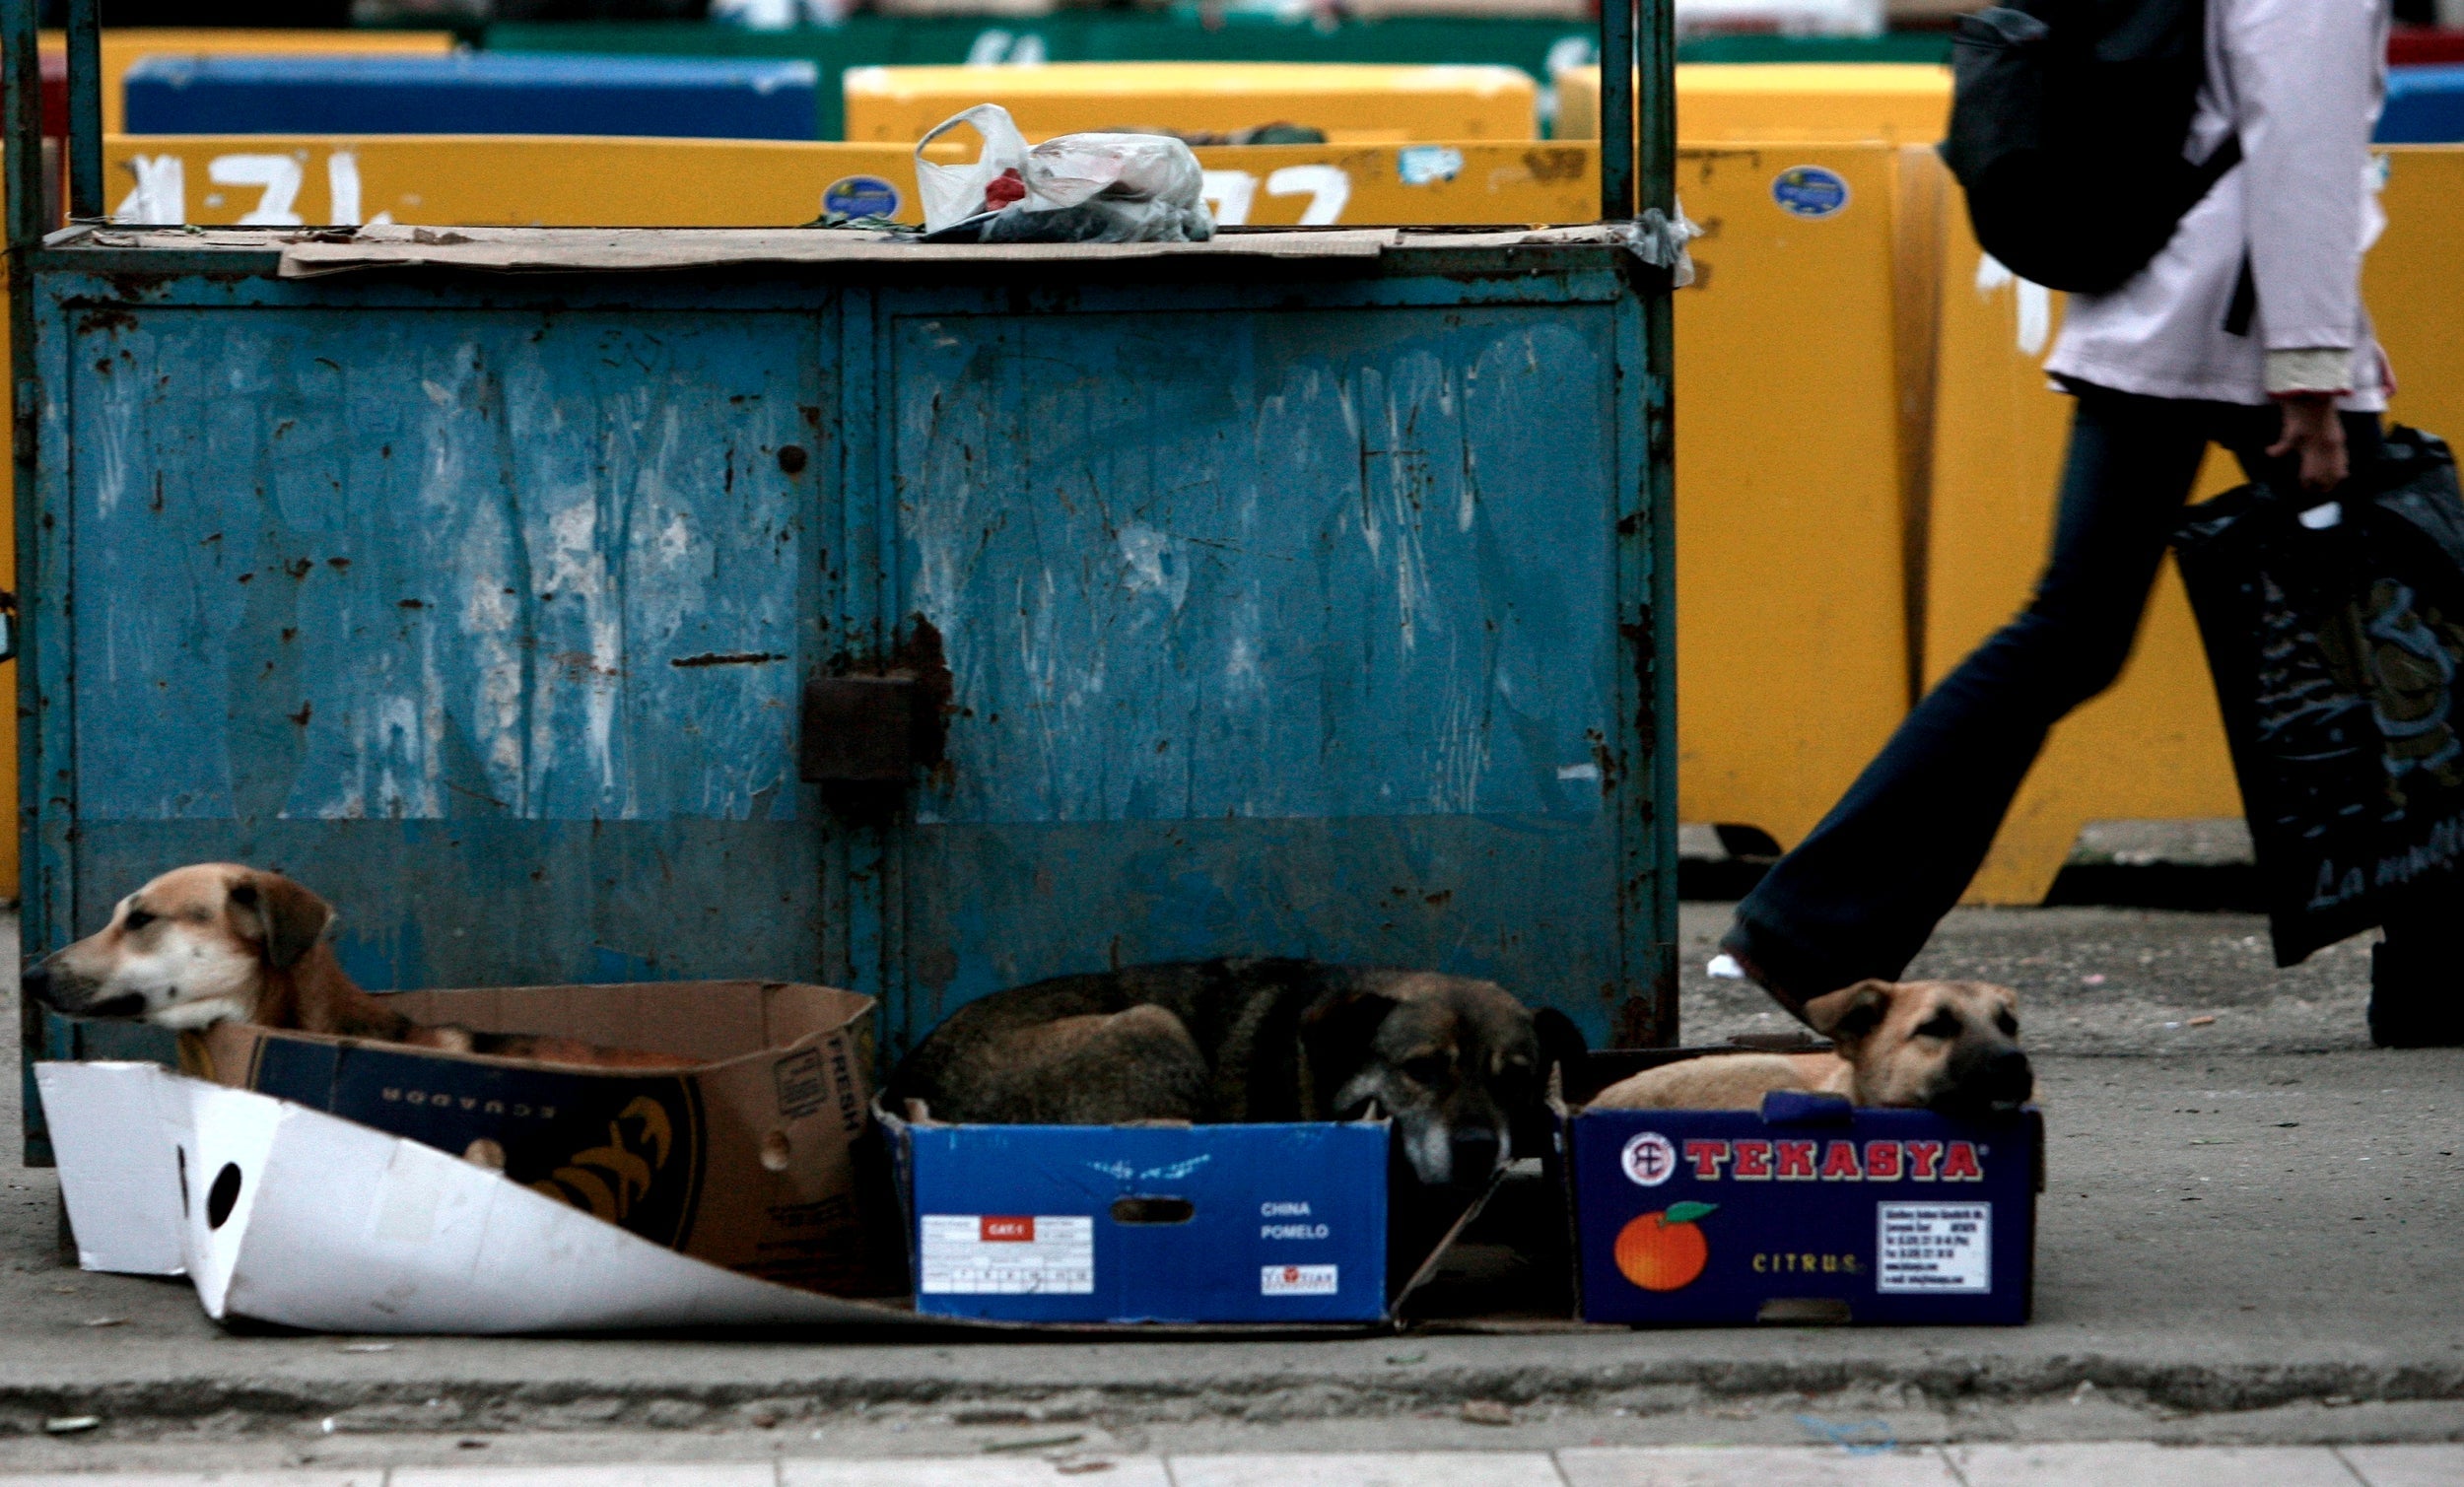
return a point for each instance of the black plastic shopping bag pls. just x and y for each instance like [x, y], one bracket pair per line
[2336, 637]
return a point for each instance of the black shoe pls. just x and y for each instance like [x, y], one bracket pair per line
[2415, 1004]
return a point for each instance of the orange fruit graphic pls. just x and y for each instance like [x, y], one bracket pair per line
[1664, 1250]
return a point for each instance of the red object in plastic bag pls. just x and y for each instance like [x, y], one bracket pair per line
[1006, 187]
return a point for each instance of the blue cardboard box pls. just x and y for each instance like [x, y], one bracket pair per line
[1809, 1210]
[472, 93]
[1208, 1224]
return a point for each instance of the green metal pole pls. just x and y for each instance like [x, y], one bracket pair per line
[1616, 111]
[1655, 170]
[84, 108]
[22, 175]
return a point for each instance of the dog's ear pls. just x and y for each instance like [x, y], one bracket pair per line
[1846, 1016]
[289, 918]
[1561, 1045]
[1337, 1033]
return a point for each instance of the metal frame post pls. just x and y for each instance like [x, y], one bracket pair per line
[1655, 55]
[20, 54]
[22, 174]
[1656, 50]
[1616, 111]
[84, 108]
[1638, 186]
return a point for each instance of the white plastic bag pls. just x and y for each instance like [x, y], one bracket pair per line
[953, 193]
[1072, 189]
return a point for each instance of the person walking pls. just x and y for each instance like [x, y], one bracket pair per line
[2247, 330]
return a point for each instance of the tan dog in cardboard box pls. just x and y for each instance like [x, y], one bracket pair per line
[1951, 1047]
[222, 942]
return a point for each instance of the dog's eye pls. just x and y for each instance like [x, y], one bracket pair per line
[2009, 1025]
[1429, 1070]
[1943, 1024]
[137, 919]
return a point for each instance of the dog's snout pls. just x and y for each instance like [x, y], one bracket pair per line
[2008, 1080]
[1476, 1152]
[35, 982]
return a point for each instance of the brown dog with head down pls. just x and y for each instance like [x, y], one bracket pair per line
[1944, 1046]
[220, 942]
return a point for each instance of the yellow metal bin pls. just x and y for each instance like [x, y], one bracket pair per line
[1792, 646]
[1352, 103]
[1895, 102]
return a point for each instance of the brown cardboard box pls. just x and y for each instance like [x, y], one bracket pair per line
[754, 1158]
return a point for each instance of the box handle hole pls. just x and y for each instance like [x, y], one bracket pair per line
[1152, 1210]
[223, 1196]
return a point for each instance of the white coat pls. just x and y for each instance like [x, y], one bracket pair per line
[2301, 81]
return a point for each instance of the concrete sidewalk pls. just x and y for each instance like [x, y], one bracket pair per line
[2096, 1465]
[2252, 1235]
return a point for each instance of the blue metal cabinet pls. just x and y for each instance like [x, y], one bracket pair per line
[1304, 610]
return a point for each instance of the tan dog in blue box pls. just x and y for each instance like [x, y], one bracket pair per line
[1949, 1046]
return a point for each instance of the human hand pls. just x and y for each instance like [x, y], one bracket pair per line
[2313, 432]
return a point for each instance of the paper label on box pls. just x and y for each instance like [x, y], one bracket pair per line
[1298, 1280]
[1008, 1254]
[1934, 1247]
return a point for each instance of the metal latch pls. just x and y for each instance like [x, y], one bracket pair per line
[859, 729]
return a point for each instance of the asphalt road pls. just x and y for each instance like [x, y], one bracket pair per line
[2253, 1233]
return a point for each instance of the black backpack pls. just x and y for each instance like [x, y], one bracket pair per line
[2067, 124]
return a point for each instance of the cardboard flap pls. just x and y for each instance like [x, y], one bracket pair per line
[1437, 1252]
[705, 1020]
[709, 1021]
[122, 1172]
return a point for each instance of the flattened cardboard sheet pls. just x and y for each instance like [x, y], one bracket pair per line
[291, 1215]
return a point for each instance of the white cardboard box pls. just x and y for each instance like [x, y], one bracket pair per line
[289, 1215]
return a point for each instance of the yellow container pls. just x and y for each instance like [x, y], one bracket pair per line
[540, 180]
[471, 180]
[1895, 102]
[122, 46]
[1352, 103]
[1792, 513]
[2152, 748]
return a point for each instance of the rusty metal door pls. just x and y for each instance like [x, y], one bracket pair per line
[1277, 624]
[486, 624]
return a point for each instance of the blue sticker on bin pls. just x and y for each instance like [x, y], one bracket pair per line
[860, 196]
[1809, 191]
[1427, 165]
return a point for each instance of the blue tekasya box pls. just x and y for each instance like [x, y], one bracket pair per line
[1210, 1223]
[1807, 1210]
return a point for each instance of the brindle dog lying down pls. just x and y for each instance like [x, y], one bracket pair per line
[1458, 1064]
